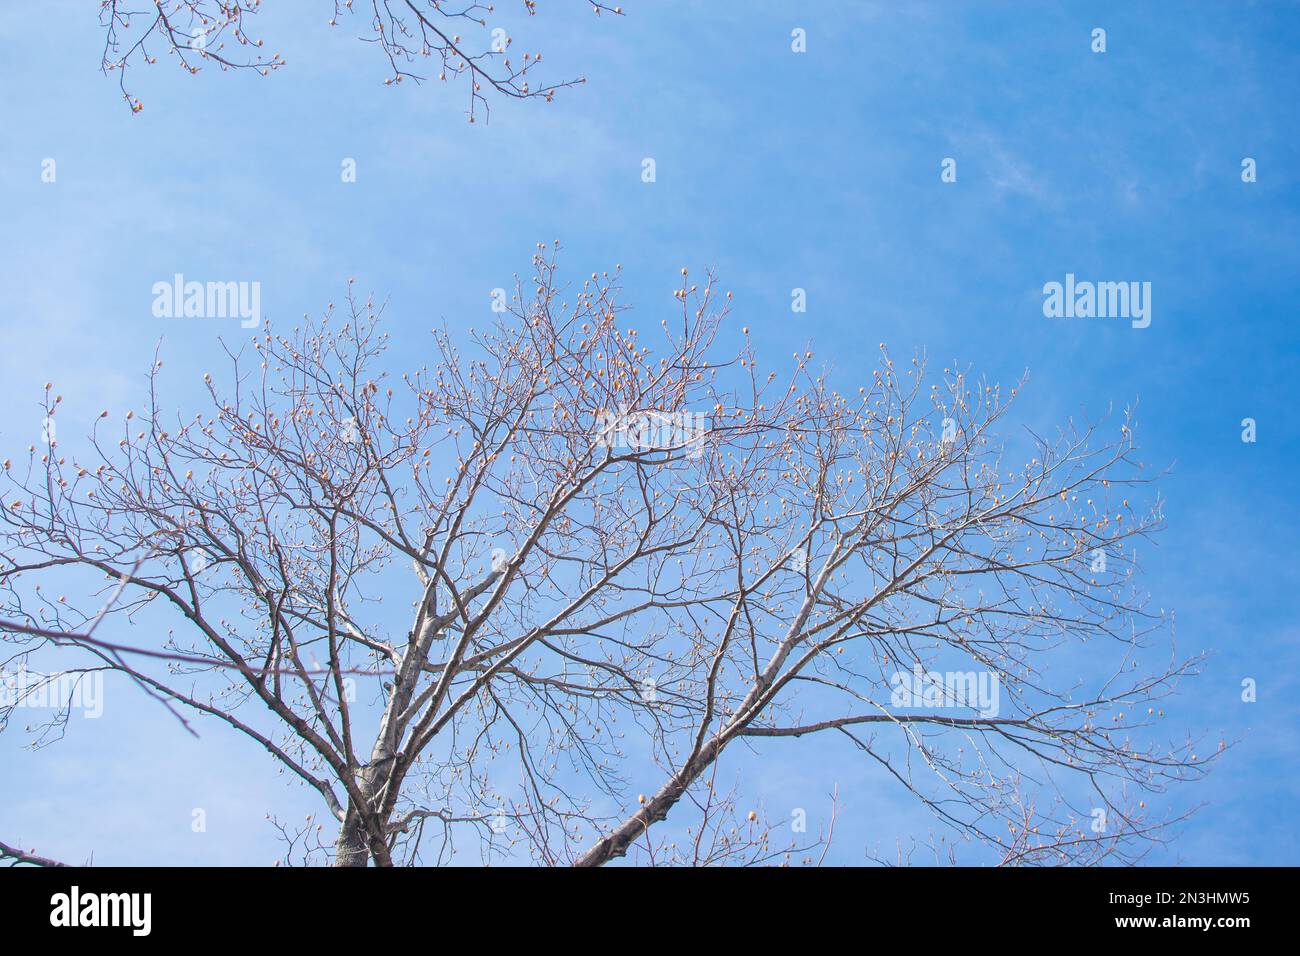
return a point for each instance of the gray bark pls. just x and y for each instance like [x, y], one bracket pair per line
[615, 844]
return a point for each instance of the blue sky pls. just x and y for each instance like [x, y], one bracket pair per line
[779, 170]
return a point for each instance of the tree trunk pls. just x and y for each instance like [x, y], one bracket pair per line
[352, 848]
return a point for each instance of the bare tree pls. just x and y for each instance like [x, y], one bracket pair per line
[417, 37]
[619, 548]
